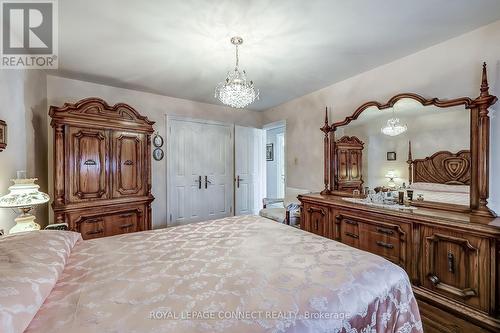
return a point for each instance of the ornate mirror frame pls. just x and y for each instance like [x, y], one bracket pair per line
[479, 143]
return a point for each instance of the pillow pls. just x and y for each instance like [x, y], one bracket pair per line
[30, 265]
[440, 187]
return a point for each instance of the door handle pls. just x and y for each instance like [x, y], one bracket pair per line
[89, 162]
[199, 182]
[207, 182]
[238, 180]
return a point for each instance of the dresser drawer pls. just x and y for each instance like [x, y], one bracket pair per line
[121, 223]
[382, 245]
[388, 240]
[92, 227]
[93, 223]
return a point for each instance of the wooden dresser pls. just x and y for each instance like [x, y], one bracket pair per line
[448, 245]
[102, 168]
[452, 259]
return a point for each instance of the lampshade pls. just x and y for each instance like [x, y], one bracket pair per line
[24, 193]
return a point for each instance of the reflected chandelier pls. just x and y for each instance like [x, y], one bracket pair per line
[236, 91]
[393, 126]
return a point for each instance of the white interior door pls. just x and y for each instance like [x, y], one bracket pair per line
[200, 182]
[249, 157]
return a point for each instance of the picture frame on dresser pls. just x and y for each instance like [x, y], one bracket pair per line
[450, 253]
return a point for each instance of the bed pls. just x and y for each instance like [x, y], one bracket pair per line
[442, 177]
[238, 274]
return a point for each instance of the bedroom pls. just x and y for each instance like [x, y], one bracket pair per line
[127, 124]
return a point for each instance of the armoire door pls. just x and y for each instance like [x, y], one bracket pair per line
[87, 170]
[343, 156]
[355, 159]
[128, 163]
[200, 169]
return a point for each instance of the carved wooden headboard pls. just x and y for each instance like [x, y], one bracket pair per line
[442, 167]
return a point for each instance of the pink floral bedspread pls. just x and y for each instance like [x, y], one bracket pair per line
[241, 274]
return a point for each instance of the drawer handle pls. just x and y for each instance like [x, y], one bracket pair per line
[125, 226]
[93, 220]
[384, 244]
[350, 234]
[451, 263]
[351, 222]
[434, 279]
[385, 231]
[128, 162]
[126, 215]
[317, 210]
[100, 231]
[89, 162]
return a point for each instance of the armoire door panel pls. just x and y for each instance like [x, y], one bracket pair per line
[343, 165]
[87, 175]
[355, 162]
[128, 161]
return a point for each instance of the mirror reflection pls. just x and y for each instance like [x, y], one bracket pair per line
[423, 149]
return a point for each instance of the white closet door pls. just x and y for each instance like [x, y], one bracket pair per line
[199, 152]
[218, 171]
[249, 151]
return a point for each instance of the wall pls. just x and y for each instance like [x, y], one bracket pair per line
[272, 166]
[23, 106]
[155, 107]
[447, 70]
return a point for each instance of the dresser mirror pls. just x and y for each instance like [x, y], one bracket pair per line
[436, 150]
[408, 146]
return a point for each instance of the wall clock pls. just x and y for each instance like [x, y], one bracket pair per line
[158, 154]
[157, 140]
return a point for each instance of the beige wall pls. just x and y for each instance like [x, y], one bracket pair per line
[447, 70]
[23, 106]
[155, 107]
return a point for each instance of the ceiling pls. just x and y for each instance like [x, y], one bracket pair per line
[292, 47]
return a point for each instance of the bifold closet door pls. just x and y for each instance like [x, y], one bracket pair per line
[200, 171]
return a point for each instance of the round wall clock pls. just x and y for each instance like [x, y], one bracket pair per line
[157, 140]
[158, 154]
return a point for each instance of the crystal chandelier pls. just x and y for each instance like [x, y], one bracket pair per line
[236, 91]
[393, 126]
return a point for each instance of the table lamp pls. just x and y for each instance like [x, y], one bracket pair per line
[391, 175]
[24, 195]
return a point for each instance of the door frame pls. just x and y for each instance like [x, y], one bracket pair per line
[270, 126]
[168, 121]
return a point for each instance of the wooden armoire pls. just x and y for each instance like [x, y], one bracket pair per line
[102, 168]
[349, 163]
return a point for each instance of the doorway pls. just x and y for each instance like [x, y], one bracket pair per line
[275, 159]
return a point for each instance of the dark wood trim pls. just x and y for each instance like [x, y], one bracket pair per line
[466, 101]
[326, 152]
